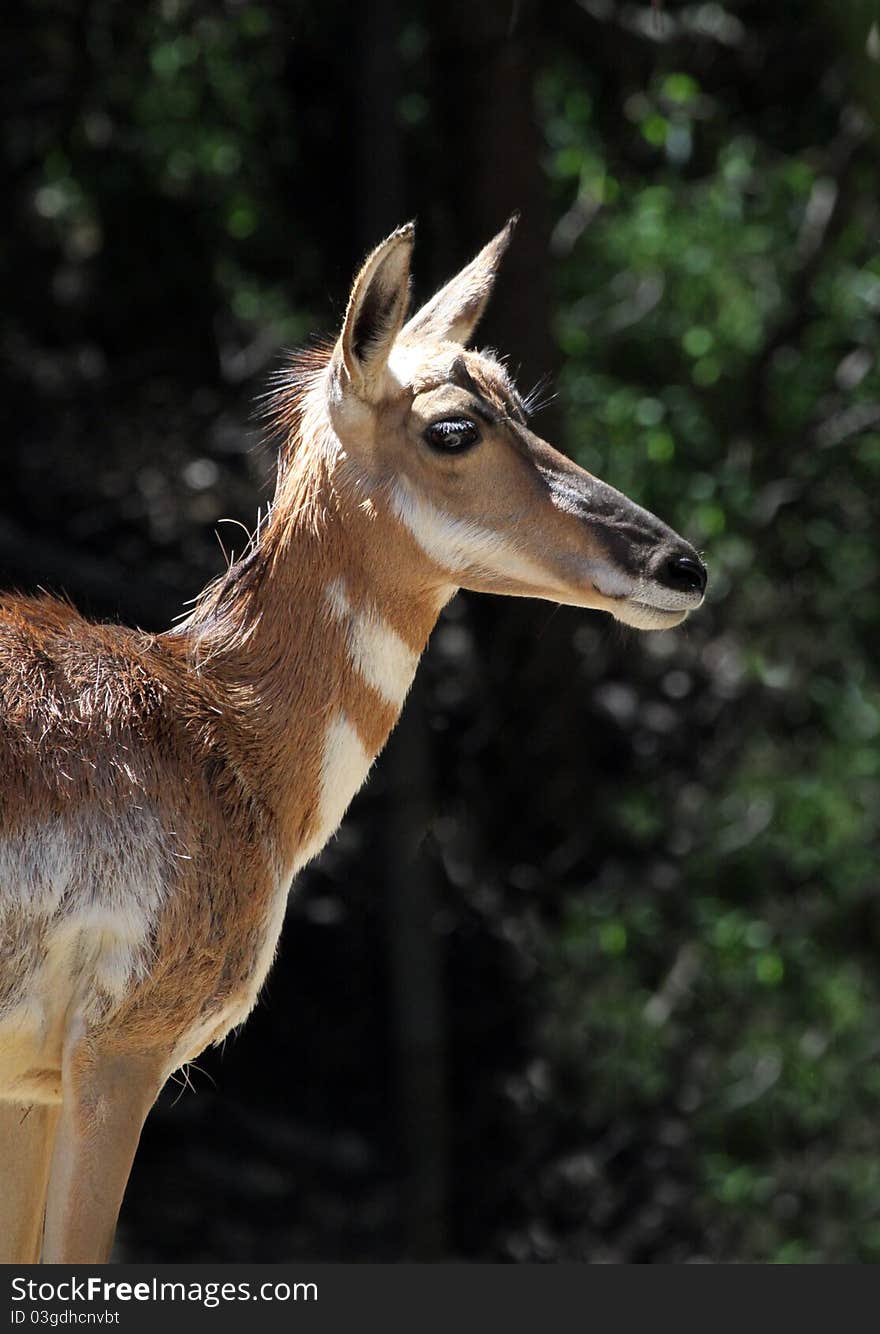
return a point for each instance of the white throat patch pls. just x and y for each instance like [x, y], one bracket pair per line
[376, 652]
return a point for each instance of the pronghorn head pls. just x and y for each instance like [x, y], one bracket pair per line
[440, 434]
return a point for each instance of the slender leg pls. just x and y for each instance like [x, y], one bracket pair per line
[26, 1135]
[105, 1103]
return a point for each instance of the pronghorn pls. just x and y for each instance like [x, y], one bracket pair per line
[159, 792]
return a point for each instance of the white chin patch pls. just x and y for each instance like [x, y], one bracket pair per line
[650, 606]
[642, 617]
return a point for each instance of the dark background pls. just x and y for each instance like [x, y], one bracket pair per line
[591, 971]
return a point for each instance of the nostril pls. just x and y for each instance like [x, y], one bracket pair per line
[685, 573]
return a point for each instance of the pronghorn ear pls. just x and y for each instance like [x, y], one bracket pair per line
[375, 313]
[454, 312]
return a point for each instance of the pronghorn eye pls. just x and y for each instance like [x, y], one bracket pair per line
[452, 434]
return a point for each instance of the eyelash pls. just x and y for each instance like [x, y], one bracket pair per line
[445, 435]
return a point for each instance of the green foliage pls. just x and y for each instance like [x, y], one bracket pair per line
[717, 313]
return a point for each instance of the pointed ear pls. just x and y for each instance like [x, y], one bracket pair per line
[375, 313]
[454, 312]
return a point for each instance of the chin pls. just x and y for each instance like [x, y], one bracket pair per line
[641, 616]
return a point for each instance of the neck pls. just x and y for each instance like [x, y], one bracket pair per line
[312, 641]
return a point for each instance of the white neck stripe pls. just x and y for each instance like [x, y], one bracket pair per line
[376, 652]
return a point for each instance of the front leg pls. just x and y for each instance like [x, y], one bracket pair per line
[105, 1100]
[26, 1135]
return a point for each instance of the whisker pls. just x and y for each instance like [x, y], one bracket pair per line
[538, 398]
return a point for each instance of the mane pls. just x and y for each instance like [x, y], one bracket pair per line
[281, 408]
[292, 426]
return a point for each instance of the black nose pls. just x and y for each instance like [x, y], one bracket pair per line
[686, 574]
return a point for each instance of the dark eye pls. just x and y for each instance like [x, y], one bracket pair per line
[452, 434]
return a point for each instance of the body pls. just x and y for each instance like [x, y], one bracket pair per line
[166, 792]
[161, 791]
